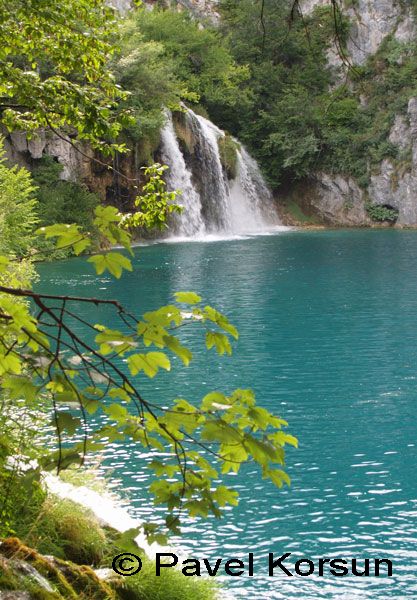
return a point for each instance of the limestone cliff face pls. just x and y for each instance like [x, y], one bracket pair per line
[120, 5]
[80, 165]
[396, 184]
[371, 22]
[337, 199]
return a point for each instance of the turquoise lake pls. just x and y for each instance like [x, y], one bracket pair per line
[328, 340]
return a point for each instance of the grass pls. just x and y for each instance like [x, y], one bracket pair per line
[68, 531]
[170, 585]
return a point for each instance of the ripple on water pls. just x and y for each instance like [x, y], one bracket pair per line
[328, 339]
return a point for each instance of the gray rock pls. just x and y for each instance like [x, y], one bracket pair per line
[19, 141]
[120, 5]
[338, 200]
[26, 570]
[400, 133]
[396, 185]
[36, 145]
[372, 21]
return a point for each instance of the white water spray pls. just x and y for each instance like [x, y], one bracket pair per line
[213, 204]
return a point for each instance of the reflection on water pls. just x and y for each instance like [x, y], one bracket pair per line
[328, 341]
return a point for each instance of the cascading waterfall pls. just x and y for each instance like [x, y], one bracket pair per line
[213, 204]
[251, 201]
[189, 223]
[213, 188]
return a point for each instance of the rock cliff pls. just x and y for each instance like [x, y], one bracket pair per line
[338, 199]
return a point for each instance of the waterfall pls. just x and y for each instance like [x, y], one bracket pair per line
[213, 204]
[190, 223]
[251, 201]
[213, 188]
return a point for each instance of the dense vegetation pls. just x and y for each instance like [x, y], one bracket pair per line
[270, 84]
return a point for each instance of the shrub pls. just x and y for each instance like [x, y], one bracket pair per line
[382, 212]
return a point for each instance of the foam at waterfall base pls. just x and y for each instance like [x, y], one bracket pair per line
[226, 237]
[208, 238]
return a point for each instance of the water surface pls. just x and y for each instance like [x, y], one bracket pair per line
[329, 341]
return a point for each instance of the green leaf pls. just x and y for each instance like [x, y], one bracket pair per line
[20, 387]
[10, 363]
[173, 344]
[220, 341]
[223, 495]
[68, 236]
[219, 431]
[277, 476]
[187, 297]
[215, 401]
[148, 363]
[114, 262]
[4, 263]
[263, 452]
[126, 540]
[117, 412]
[65, 421]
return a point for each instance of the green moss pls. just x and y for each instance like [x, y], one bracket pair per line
[13, 548]
[228, 155]
[8, 579]
[183, 132]
[296, 213]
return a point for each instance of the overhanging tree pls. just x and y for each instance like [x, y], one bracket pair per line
[43, 358]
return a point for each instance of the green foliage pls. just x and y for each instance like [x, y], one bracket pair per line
[62, 202]
[279, 109]
[142, 68]
[355, 140]
[53, 58]
[44, 359]
[20, 421]
[168, 51]
[18, 209]
[155, 203]
[381, 213]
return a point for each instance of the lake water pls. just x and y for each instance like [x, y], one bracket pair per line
[328, 326]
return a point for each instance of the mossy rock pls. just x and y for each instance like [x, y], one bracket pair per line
[184, 133]
[68, 580]
[228, 148]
